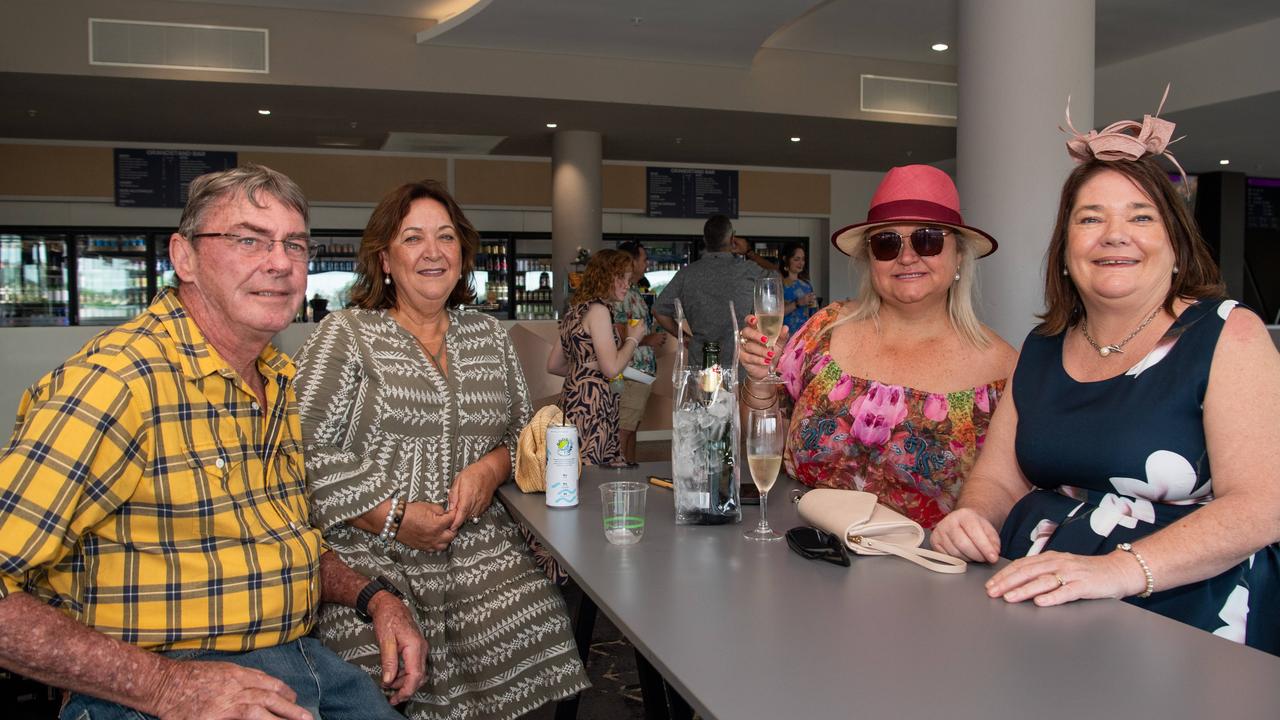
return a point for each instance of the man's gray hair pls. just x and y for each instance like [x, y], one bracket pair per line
[212, 188]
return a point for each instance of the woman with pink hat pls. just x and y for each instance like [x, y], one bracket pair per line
[1134, 455]
[892, 391]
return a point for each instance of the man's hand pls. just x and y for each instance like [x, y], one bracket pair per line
[404, 650]
[195, 690]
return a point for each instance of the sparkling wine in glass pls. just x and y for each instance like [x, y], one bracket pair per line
[769, 306]
[765, 438]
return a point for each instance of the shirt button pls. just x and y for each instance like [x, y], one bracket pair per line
[219, 463]
[254, 405]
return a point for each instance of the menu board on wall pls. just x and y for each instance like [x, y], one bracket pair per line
[1262, 204]
[690, 192]
[160, 178]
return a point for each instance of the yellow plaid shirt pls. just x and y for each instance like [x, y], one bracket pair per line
[146, 494]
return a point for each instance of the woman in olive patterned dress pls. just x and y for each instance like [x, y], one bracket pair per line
[411, 401]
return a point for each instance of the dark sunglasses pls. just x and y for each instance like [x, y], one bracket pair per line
[886, 245]
[814, 544]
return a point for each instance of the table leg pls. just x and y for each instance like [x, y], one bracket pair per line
[661, 701]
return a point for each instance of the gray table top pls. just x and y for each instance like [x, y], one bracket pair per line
[750, 630]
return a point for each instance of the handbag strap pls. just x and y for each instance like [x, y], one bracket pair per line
[927, 559]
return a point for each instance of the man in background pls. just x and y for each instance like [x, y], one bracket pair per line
[705, 288]
[635, 393]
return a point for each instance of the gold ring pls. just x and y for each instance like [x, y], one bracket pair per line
[1061, 582]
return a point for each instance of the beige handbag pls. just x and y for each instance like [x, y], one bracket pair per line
[531, 450]
[869, 528]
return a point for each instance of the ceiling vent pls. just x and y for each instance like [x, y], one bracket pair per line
[903, 96]
[175, 46]
[441, 143]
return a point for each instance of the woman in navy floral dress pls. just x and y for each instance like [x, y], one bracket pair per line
[1134, 457]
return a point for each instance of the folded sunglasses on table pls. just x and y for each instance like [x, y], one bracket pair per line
[814, 544]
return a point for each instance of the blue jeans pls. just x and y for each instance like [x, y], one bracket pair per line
[328, 687]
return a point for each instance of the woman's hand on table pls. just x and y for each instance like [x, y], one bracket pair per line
[427, 526]
[755, 357]
[967, 535]
[1054, 578]
[471, 494]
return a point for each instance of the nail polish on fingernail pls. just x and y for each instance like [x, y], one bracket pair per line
[769, 354]
[764, 339]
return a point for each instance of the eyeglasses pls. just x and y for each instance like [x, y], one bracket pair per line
[886, 245]
[814, 544]
[296, 248]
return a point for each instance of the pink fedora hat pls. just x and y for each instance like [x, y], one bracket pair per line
[913, 193]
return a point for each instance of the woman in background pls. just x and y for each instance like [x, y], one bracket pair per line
[801, 303]
[589, 356]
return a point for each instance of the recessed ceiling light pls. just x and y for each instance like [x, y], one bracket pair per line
[264, 112]
[795, 139]
[1224, 162]
[553, 126]
[940, 47]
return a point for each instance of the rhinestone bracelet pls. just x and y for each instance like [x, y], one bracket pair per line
[1146, 570]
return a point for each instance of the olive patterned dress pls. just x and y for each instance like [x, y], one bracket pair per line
[587, 400]
[380, 420]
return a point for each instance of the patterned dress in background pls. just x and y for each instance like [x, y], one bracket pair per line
[378, 419]
[912, 448]
[1116, 460]
[587, 400]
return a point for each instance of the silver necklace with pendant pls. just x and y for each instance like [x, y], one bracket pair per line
[1105, 350]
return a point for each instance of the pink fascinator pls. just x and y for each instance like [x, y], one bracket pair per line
[1125, 140]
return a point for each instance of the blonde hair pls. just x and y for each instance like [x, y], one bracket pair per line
[960, 296]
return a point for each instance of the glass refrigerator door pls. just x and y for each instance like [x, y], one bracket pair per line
[330, 276]
[666, 257]
[491, 277]
[111, 276]
[33, 280]
[534, 279]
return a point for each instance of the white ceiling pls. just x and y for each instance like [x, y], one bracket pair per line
[728, 33]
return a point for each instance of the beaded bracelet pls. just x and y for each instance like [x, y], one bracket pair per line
[385, 536]
[1146, 570]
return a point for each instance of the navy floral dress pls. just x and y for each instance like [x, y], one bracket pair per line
[1116, 460]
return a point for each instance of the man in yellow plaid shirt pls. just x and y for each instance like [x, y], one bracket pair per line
[155, 546]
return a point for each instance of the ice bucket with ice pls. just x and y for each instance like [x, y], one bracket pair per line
[704, 436]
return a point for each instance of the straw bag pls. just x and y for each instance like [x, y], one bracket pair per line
[531, 450]
[869, 528]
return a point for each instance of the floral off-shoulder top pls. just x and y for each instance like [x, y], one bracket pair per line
[912, 448]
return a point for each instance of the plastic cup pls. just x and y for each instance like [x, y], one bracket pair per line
[623, 504]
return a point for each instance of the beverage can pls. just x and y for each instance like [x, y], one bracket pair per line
[562, 466]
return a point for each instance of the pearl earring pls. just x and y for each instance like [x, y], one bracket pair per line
[1064, 272]
[1175, 269]
[957, 275]
[386, 279]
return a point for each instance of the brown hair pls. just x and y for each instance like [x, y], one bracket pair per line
[597, 279]
[1197, 274]
[370, 290]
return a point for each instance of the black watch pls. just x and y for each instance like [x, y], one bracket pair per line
[375, 586]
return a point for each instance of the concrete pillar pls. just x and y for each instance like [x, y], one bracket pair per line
[575, 202]
[1018, 61]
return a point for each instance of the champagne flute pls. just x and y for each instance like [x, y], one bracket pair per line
[769, 306]
[765, 438]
